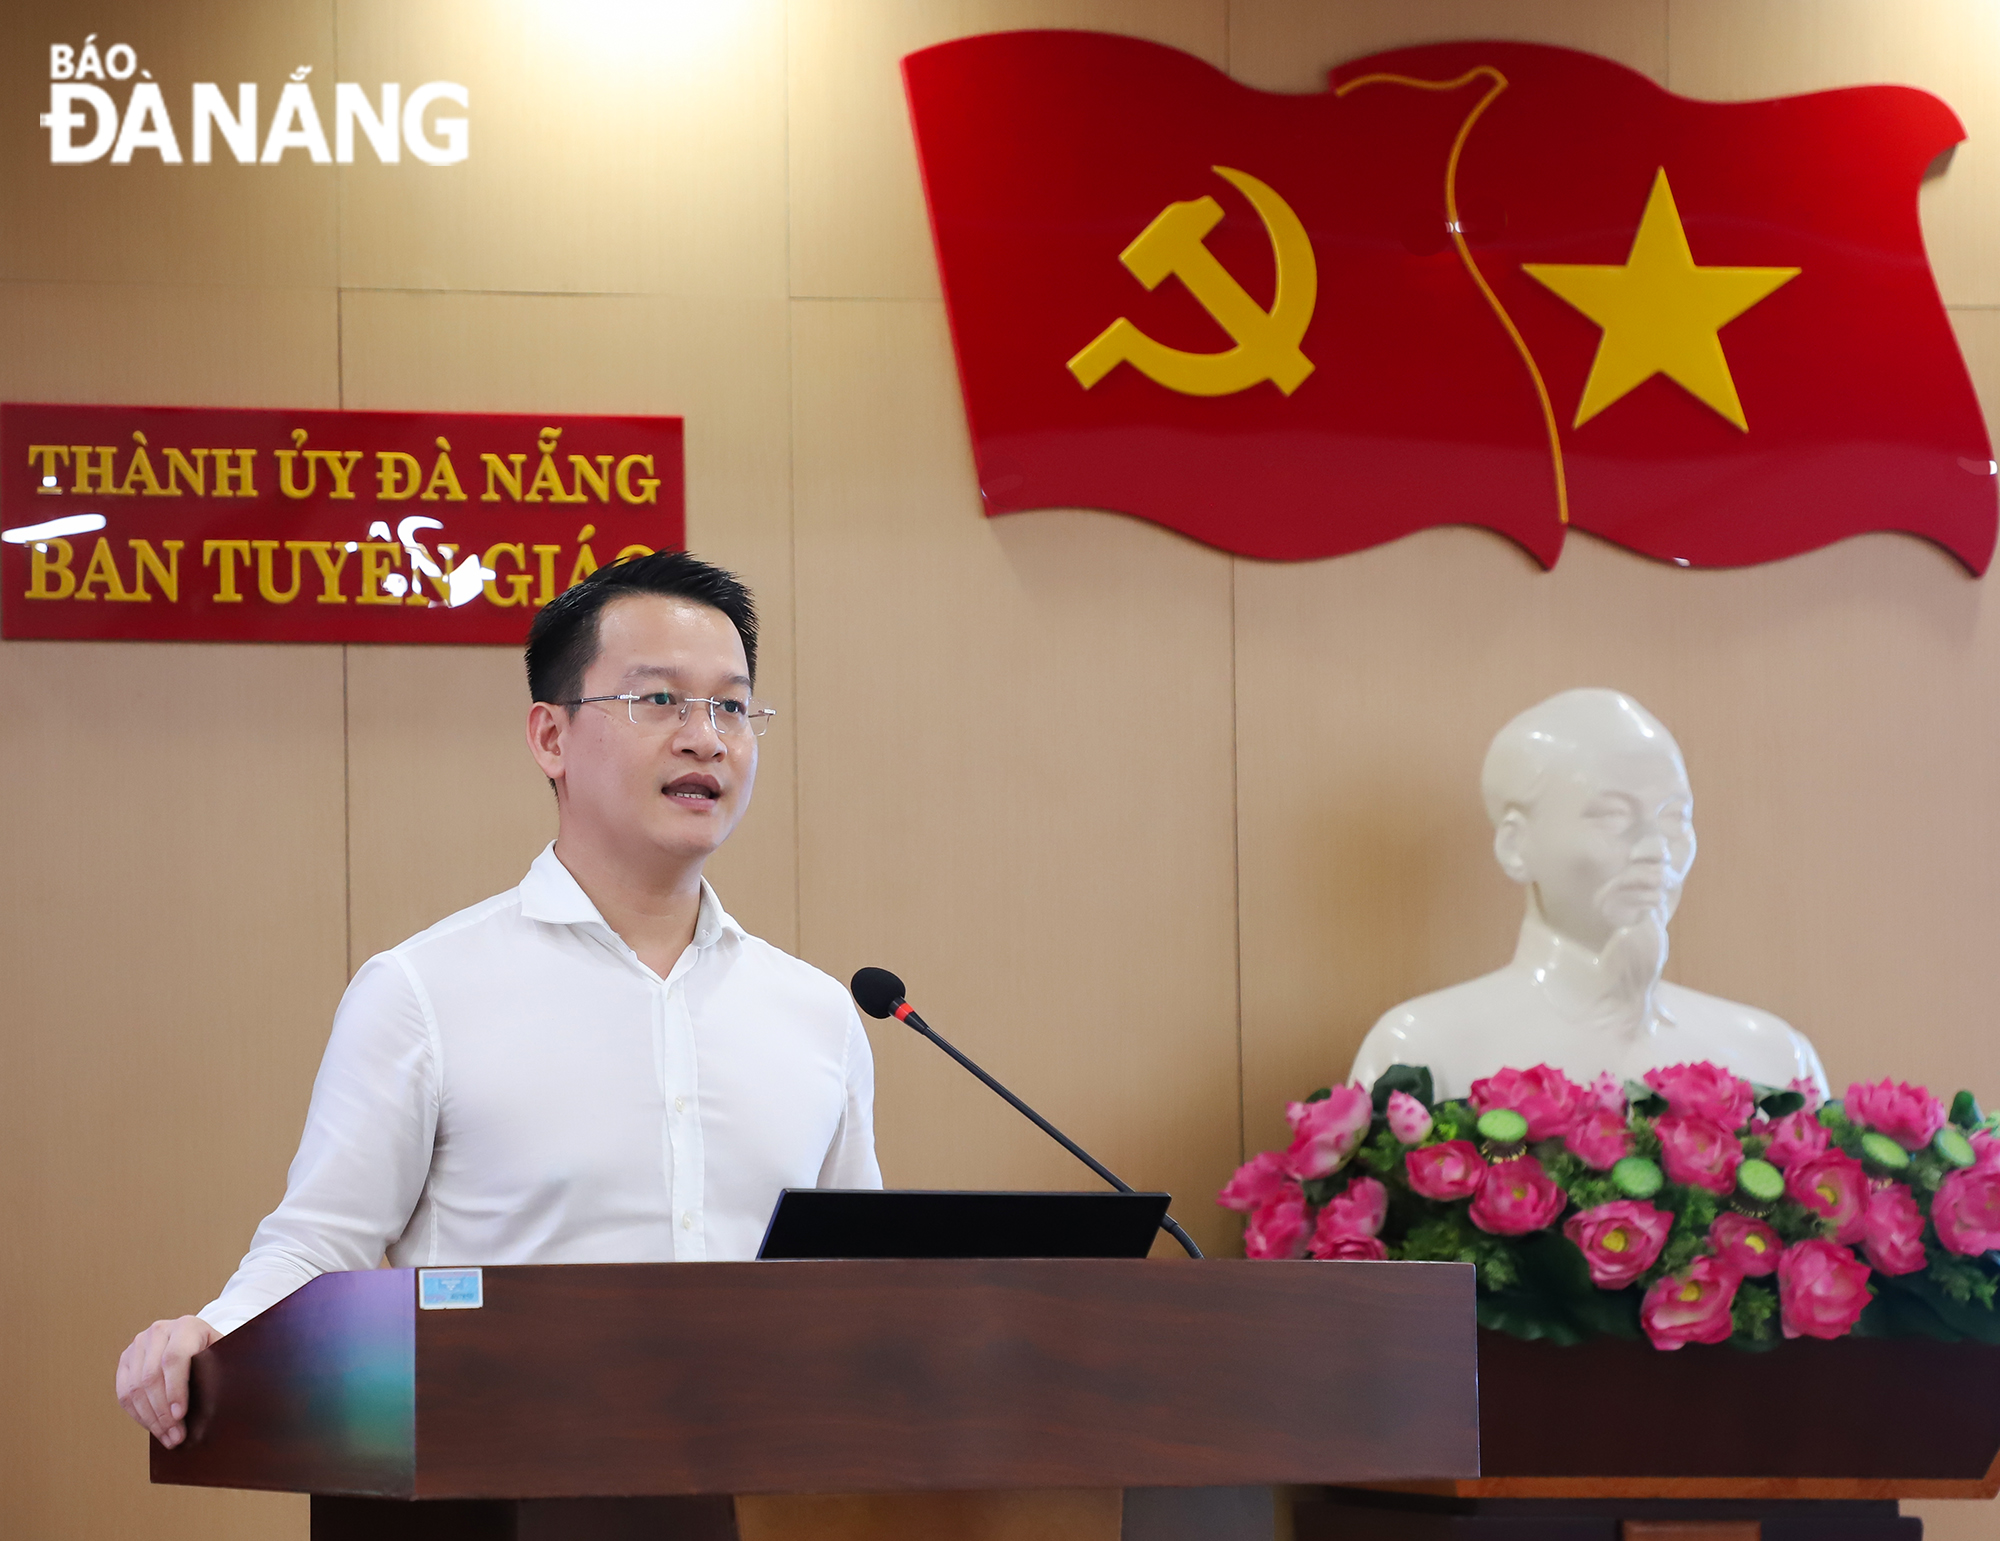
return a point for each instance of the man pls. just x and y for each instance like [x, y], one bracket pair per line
[1593, 816]
[600, 1065]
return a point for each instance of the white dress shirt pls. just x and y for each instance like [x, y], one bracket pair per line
[515, 1086]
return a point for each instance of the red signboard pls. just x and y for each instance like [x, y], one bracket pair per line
[200, 525]
[1476, 283]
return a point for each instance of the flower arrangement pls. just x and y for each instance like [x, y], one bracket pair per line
[1695, 1207]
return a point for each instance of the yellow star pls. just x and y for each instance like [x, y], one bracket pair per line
[1660, 313]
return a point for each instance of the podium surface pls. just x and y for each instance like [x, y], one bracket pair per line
[639, 1380]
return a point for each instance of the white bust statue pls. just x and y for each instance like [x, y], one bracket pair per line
[1593, 817]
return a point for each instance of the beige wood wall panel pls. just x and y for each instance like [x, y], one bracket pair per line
[173, 937]
[1283, 45]
[1950, 1520]
[614, 147]
[448, 808]
[1728, 49]
[858, 226]
[172, 940]
[168, 345]
[149, 222]
[1015, 787]
[1836, 714]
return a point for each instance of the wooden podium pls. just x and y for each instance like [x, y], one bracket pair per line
[640, 1399]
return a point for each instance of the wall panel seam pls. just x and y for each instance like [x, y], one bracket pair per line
[792, 525]
[1236, 867]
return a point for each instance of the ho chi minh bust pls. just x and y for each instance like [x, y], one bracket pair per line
[1593, 816]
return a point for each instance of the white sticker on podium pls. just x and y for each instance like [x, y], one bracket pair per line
[450, 1289]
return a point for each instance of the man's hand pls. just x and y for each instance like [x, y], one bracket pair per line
[153, 1375]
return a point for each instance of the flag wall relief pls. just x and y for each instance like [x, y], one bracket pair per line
[1495, 284]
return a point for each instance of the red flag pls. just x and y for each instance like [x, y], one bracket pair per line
[1495, 284]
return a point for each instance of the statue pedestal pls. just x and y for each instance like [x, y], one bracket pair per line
[1612, 1440]
[1350, 1515]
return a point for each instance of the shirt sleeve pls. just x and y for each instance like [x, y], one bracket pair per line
[365, 1153]
[850, 1159]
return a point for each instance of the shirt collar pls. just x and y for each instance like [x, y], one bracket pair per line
[550, 893]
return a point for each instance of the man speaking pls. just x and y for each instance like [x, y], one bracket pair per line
[599, 1066]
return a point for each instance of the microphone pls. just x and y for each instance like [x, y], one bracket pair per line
[880, 993]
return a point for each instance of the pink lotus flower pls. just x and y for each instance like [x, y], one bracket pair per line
[1691, 1307]
[1516, 1197]
[1794, 1138]
[1893, 1230]
[1409, 1119]
[1807, 1088]
[1985, 1152]
[1705, 1091]
[1451, 1170]
[1966, 1211]
[1699, 1153]
[1357, 1210]
[1544, 1096]
[1353, 1215]
[1822, 1289]
[1325, 1133]
[1607, 1093]
[1352, 1249]
[1908, 1114]
[1600, 1139]
[1619, 1240]
[1834, 1187]
[1256, 1183]
[1749, 1246]
[1279, 1229]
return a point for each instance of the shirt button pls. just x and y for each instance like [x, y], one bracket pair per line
[687, 1221]
[680, 1104]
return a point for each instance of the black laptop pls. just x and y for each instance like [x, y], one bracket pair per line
[876, 1222]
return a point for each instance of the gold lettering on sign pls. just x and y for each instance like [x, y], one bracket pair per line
[239, 474]
[50, 559]
[230, 553]
[329, 569]
[167, 575]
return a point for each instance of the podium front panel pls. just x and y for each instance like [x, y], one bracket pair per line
[658, 1379]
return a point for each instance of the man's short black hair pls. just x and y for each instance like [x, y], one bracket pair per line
[562, 643]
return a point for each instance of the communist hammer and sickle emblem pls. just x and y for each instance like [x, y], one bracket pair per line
[1267, 342]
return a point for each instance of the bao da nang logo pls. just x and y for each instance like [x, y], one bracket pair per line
[87, 122]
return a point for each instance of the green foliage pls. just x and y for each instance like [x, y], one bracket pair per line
[1319, 1191]
[1776, 1104]
[1452, 1121]
[1929, 1304]
[1445, 1235]
[1754, 1316]
[1694, 1210]
[1414, 1079]
[1833, 1118]
[1963, 1279]
[1644, 1099]
[1381, 1154]
[1965, 1111]
[1586, 1186]
[1321, 1095]
[1793, 1222]
[1928, 1169]
[1553, 1297]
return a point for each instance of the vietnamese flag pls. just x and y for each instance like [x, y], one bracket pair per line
[1473, 283]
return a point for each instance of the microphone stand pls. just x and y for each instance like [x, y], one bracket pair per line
[907, 1014]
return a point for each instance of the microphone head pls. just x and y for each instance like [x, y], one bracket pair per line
[877, 991]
